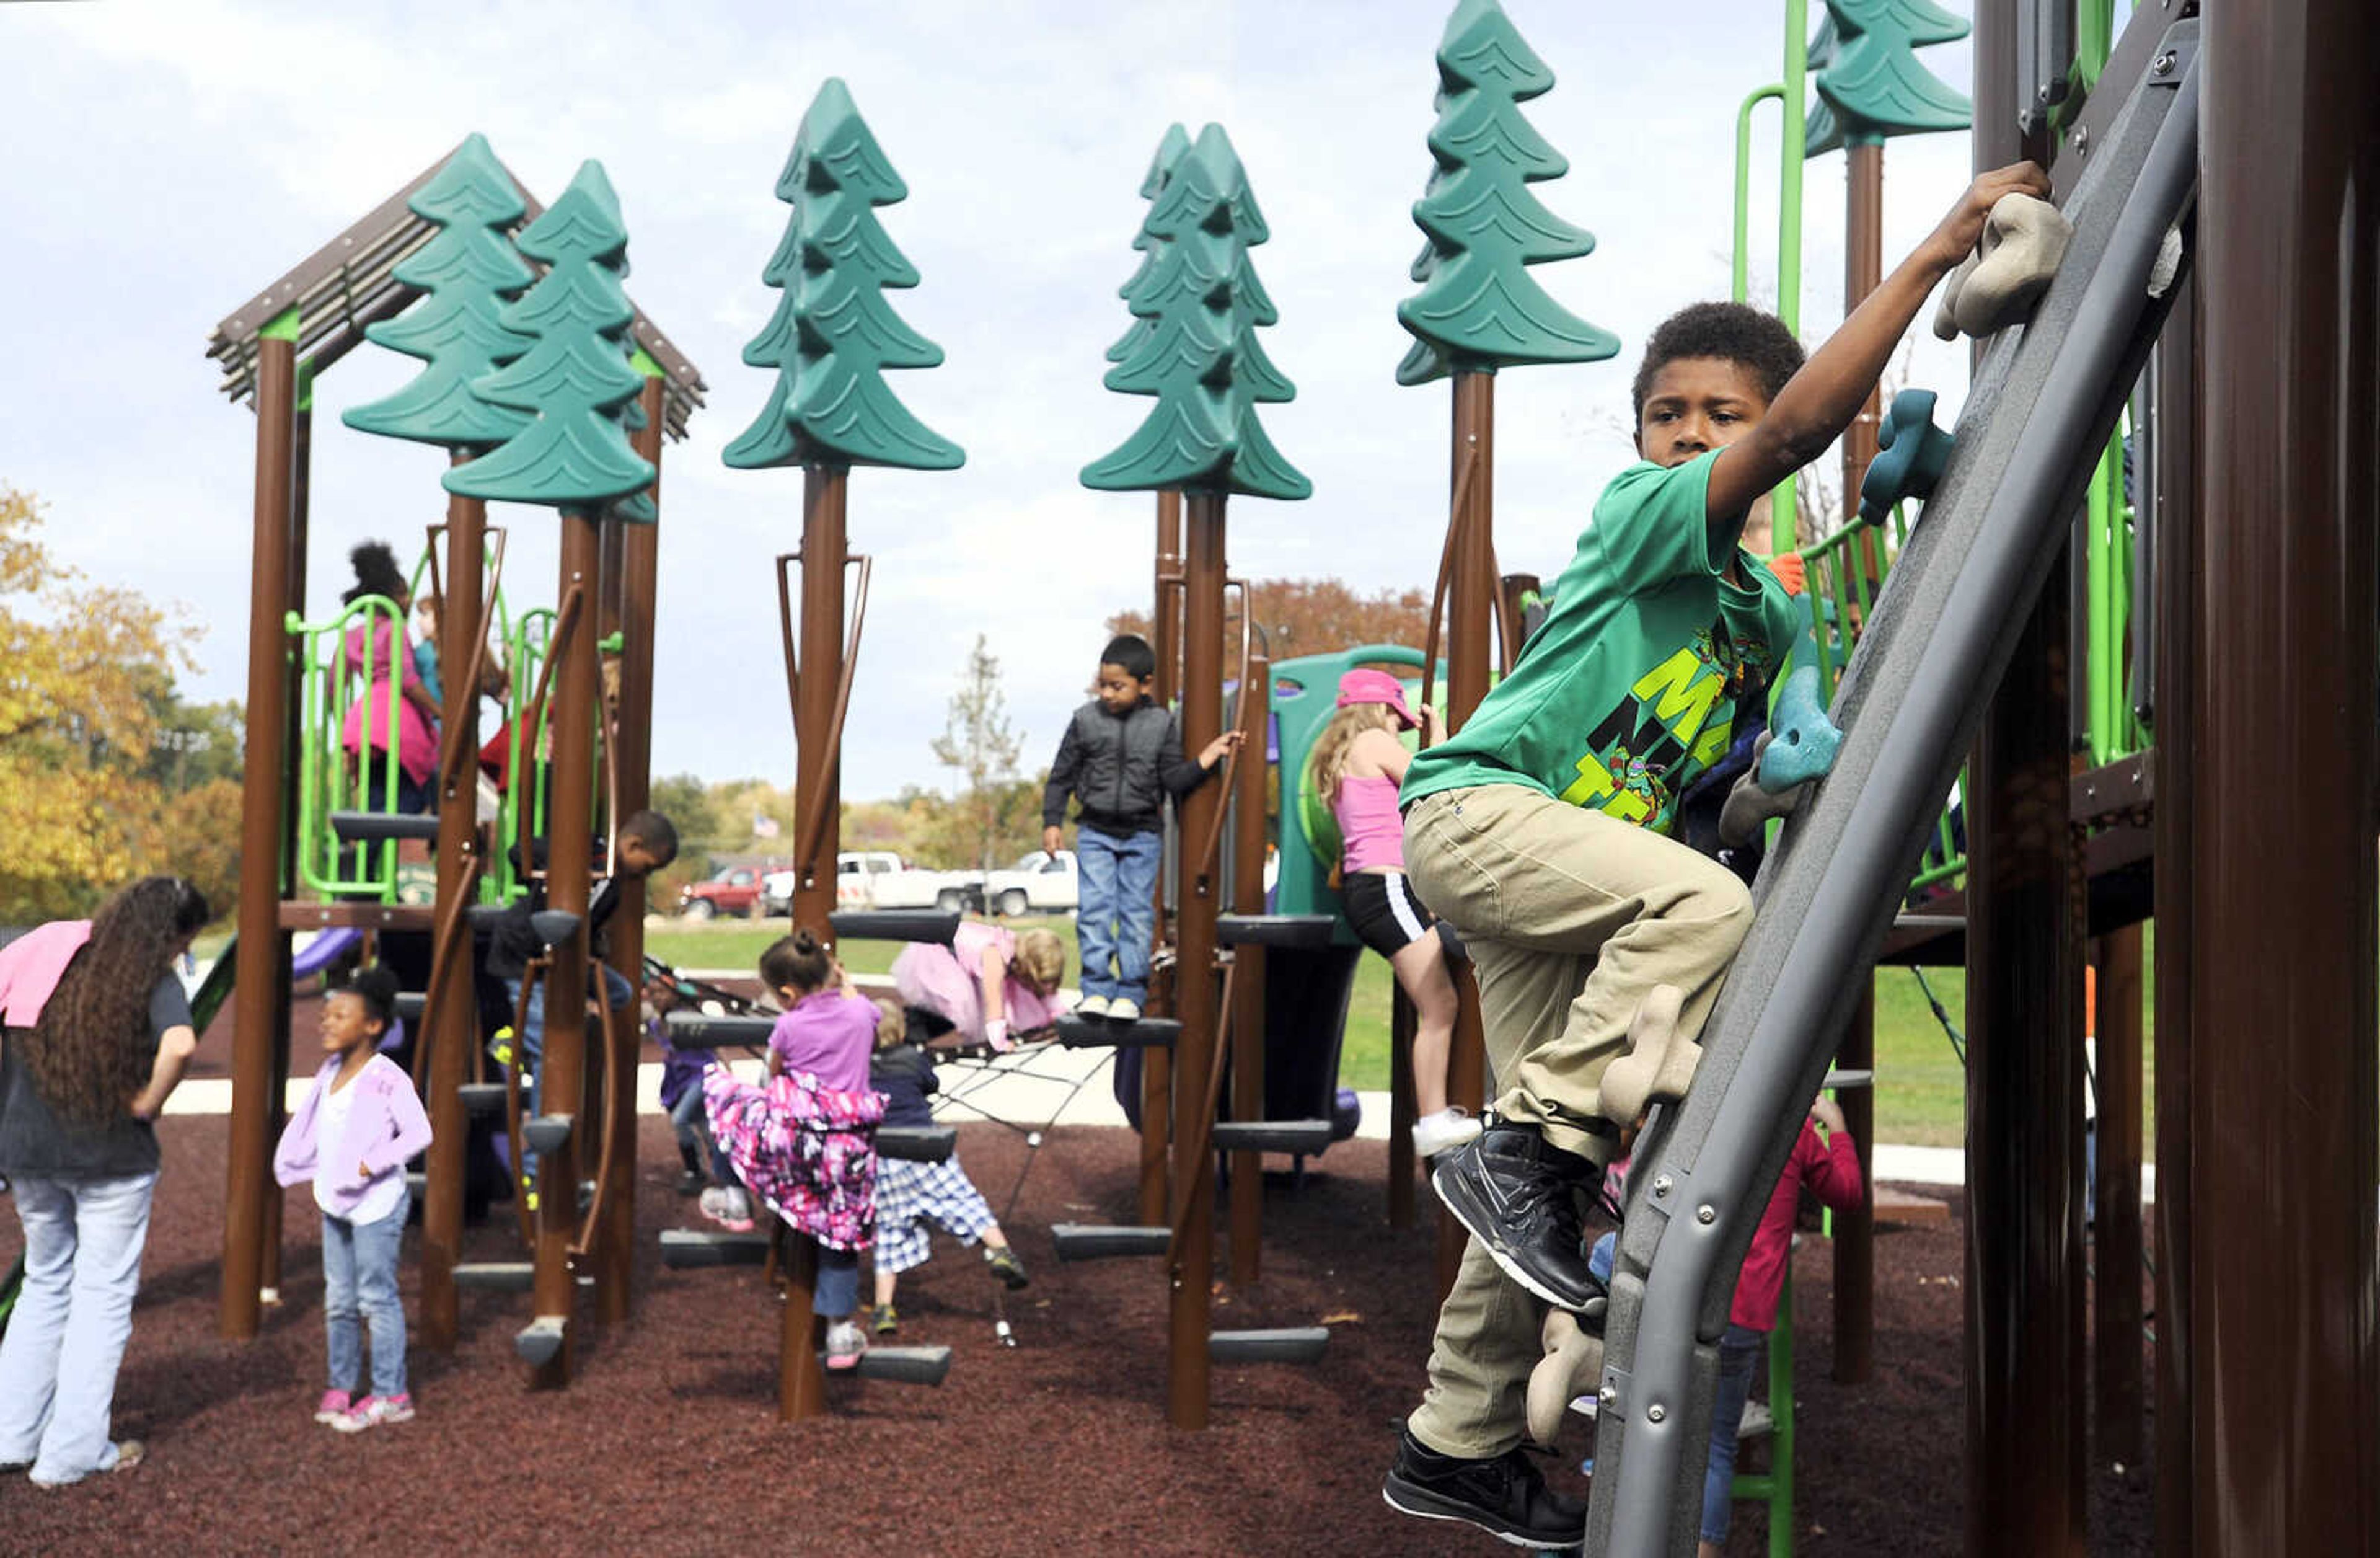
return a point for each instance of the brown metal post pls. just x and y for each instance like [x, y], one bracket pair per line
[302, 466]
[2285, 1353]
[1157, 1065]
[630, 611]
[801, 1381]
[452, 1023]
[1470, 657]
[1855, 1231]
[2177, 399]
[563, 1079]
[1248, 965]
[2115, 1228]
[1403, 1021]
[260, 994]
[2026, 1464]
[1193, 983]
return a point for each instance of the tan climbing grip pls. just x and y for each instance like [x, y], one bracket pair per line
[1659, 1062]
[1573, 1364]
[2024, 238]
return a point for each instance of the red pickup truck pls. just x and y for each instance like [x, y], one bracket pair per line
[732, 890]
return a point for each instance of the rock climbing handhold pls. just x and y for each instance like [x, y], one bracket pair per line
[1804, 740]
[2024, 238]
[1910, 452]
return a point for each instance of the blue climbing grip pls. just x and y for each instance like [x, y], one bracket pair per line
[1910, 452]
[1802, 740]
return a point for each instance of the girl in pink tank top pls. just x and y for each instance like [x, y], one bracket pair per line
[1358, 764]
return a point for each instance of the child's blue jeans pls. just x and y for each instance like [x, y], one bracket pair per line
[837, 1294]
[616, 990]
[1739, 1356]
[1116, 915]
[359, 1282]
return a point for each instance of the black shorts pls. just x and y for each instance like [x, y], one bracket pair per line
[1382, 908]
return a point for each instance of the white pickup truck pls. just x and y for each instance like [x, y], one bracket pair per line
[880, 879]
[1039, 883]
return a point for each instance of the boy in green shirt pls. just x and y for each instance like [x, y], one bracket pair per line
[1542, 830]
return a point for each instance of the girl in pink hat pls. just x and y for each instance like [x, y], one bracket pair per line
[1358, 764]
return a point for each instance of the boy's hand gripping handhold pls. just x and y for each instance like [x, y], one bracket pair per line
[1573, 1362]
[1659, 1062]
[2024, 240]
[1910, 452]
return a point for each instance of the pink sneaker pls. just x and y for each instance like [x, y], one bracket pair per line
[334, 1406]
[375, 1410]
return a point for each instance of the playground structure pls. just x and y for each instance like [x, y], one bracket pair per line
[2256, 1116]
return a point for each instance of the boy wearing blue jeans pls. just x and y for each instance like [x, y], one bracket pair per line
[1120, 758]
[1542, 830]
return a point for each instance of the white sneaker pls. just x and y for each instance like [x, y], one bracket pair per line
[845, 1343]
[1092, 1006]
[1450, 1127]
[1124, 1008]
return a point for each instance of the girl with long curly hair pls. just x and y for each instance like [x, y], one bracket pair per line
[98, 1030]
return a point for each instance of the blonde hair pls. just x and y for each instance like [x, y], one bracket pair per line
[891, 1023]
[1329, 757]
[1040, 959]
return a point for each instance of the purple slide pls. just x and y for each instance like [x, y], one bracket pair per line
[325, 949]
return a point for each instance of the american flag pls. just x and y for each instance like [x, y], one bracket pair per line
[763, 826]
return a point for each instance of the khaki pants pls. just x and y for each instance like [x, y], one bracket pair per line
[1569, 918]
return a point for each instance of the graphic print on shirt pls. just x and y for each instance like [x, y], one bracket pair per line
[1676, 722]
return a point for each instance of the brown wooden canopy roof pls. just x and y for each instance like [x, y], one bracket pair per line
[348, 284]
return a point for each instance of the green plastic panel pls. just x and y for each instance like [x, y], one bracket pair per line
[1479, 309]
[1873, 82]
[833, 334]
[1171, 150]
[576, 377]
[1199, 355]
[467, 271]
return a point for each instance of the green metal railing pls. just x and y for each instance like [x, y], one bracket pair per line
[330, 778]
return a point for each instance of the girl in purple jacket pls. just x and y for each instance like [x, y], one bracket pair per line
[352, 1136]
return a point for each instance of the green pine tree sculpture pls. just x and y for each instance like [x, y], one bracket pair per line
[1171, 150]
[833, 334]
[467, 271]
[638, 507]
[1821, 132]
[1479, 309]
[1873, 80]
[574, 381]
[1200, 355]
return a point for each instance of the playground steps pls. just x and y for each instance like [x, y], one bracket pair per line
[546, 1133]
[902, 1365]
[695, 1031]
[917, 1144]
[1907, 1208]
[1303, 1343]
[380, 827]
[698, 1248]
[1099, 1241]
[1274, 929]
[540, 1341]
[412, 1005]
[1149, 1033]
[1298, 1138]
[894, 925]
[482, 1097]
[496, 1276]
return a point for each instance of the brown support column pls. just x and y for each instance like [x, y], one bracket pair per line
[2285, 1353]
[1193, 979]
[451, 1025]
[261, 992]
[2178, 419]
[1157, 1065]
[2026, 1467]
[2115, 1228]
[1470, 655]
[571, 825]
[817, 789]
[301, 463]
[1855, 1231]
[630, 599]
[1248, 965]
[1403, 1020]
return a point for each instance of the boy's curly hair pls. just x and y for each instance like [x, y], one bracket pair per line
[90, 1051]
[1734, 332]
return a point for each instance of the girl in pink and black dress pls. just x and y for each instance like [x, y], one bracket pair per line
[395, 697]
[803, 1142]
[988, 984]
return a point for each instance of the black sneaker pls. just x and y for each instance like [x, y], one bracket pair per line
[690, 1183]
[1504, 1495]
[1007, 1267]
[1520, 1199]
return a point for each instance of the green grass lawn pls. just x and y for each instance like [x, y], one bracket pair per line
[1921, 1084]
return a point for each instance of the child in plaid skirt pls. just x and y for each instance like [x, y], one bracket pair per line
[910, 1196]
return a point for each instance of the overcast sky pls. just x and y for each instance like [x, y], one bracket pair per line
[169, 159]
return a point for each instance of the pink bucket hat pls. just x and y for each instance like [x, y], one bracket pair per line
[1376, 686]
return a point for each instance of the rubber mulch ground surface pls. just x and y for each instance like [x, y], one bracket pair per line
[667, 1442]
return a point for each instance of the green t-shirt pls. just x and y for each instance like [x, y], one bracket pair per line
[1627, 691]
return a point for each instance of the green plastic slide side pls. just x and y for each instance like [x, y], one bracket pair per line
[833, 334]
[1870, 80]
[1196, 351]
[573, 380]
[1478, 307]
[468, 272]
